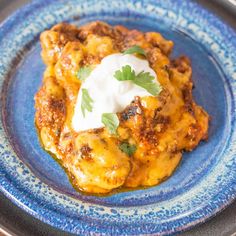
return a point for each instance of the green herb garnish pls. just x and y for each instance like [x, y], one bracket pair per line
[142, 79]
[146, 81]
[127, 148]
[126, 73]
[86, 103]
[111, 122]
[84, 72]
[135, 49]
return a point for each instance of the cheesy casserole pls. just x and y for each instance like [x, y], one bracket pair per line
[151, 131]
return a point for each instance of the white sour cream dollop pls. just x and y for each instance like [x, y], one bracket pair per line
[108, 94]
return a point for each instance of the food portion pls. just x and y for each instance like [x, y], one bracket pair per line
[113, 108]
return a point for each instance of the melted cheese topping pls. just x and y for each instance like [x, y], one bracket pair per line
[108, 94]
[160, 128]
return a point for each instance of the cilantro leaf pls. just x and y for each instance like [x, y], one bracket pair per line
[135, 49]
[126, 73]
[142, 79]
[127, 148]
[87, 101]
[146, 81]
[111, 122]
[84, 72]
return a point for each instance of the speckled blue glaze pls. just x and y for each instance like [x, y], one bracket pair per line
[204, 183]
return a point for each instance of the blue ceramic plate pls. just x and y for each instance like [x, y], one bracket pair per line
[204, 183]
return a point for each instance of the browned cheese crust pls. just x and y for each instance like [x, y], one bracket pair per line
[161, 127]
